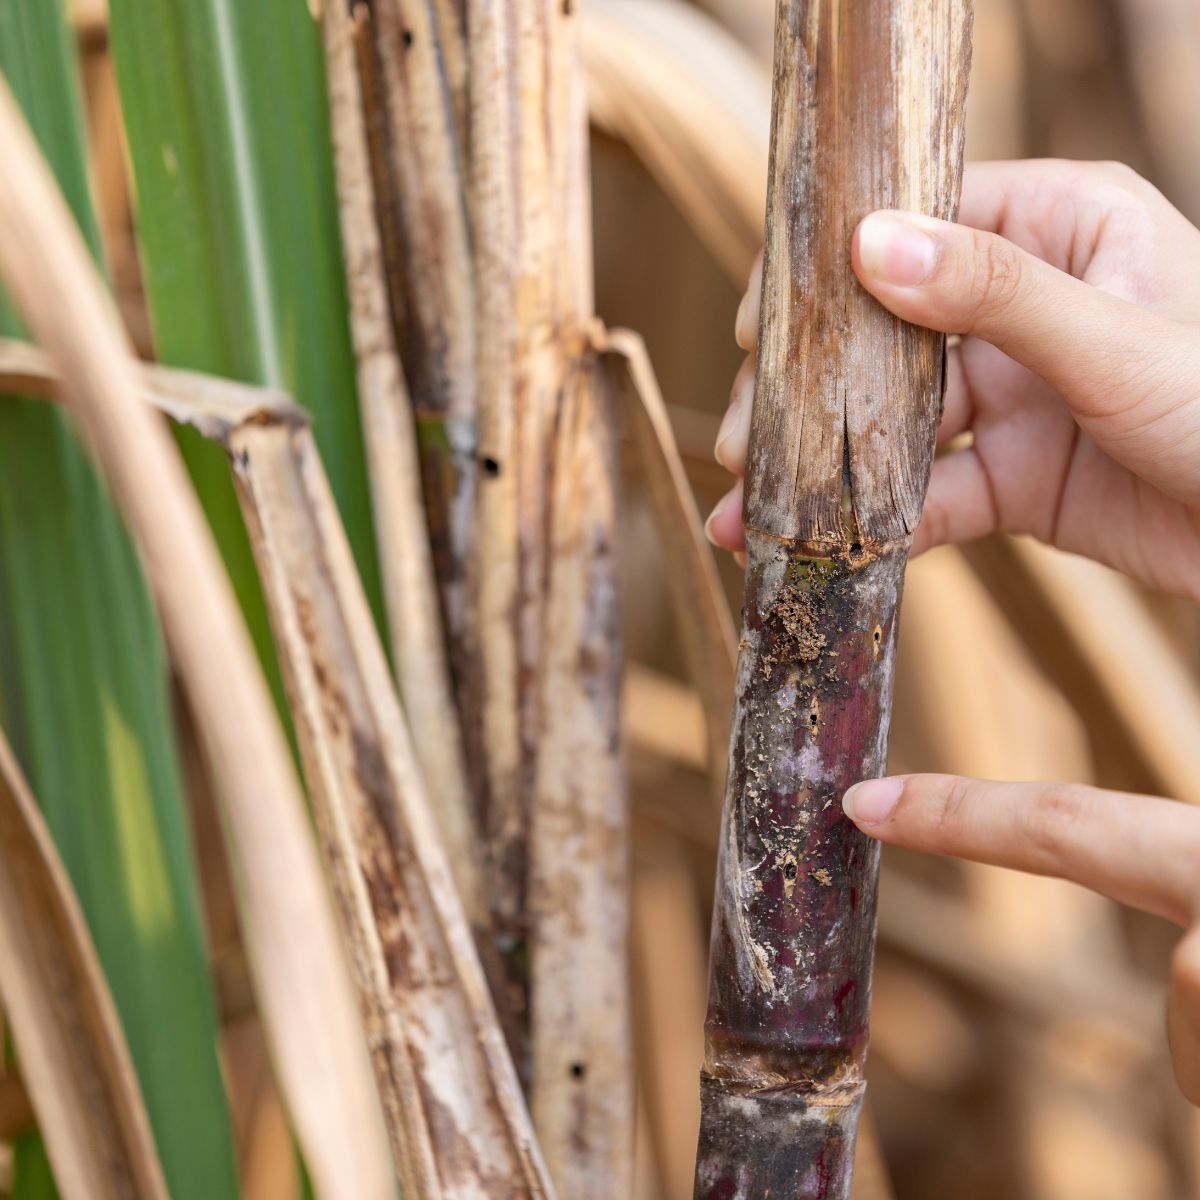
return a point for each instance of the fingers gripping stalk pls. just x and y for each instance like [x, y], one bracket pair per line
[869, 101]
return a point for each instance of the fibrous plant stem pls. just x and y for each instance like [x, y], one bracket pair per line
[868, 114]
[544, 592]
[415, 619]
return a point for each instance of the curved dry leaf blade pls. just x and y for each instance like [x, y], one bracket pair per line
[74, 1059]
[82, 666]
[694, 107]
[299, 970]
[702, 614]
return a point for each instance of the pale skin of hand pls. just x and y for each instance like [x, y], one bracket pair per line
[1076, 289]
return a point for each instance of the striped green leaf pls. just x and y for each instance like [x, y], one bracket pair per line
[83, 695]
[225, 110]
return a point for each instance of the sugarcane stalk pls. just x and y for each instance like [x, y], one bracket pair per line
[415, 624]
[410, 56]
[868, 114]
[544, 592]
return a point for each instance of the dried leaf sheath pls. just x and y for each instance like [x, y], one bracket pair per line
[452, 1101]
[578, 877]
[869, 98]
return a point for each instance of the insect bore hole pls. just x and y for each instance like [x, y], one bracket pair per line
[408, 39]
[856, 550]
[578, 1070]
[491, 468]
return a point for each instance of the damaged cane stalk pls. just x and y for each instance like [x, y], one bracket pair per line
[868, 114]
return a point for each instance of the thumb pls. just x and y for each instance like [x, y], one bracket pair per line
[1121, 368]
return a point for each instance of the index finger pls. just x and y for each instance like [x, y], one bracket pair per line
[1139, 850]
[1051, 208]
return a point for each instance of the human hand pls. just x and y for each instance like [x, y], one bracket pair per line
[1135, 849]
[1076, 288]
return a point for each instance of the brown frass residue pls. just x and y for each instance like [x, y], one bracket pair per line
[798, 635]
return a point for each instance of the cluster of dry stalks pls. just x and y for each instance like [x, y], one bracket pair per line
[474, 825]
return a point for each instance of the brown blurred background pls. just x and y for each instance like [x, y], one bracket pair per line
[1018, 1045]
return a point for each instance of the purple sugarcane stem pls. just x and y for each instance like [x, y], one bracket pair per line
[793, 931]
[868, 114]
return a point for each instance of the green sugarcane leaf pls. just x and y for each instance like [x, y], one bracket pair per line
[83, 695]
[225, 111]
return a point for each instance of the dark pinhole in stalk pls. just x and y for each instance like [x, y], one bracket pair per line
[812, 718]
[578, 1070]
[856, 549]
[408, 38]
[878, 636]
[789, 871]
[568, 7]
[491, 468]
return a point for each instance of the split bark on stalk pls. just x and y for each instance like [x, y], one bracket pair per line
[868, 113]
[544, 591]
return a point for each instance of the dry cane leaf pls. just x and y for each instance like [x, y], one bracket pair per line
[299, 969]
[706, 626]
[73, 1055]
[453, 1104]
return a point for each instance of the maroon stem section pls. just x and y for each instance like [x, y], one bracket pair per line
[794, 922]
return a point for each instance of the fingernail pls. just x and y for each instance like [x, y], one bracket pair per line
[739, 324]
[734, 424]
[721, 507]
[872, 801]
[744, 332]
[897, 248]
